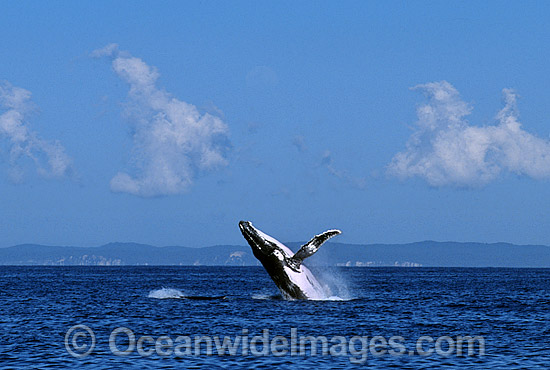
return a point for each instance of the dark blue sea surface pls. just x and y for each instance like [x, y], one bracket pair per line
[508, 308]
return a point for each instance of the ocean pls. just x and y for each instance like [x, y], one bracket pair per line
[232, 317]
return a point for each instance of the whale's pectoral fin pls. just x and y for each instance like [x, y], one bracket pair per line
[311, 247]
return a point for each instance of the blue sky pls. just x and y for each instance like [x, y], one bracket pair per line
[168, 122]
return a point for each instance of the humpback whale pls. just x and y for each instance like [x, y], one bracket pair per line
[294, 280]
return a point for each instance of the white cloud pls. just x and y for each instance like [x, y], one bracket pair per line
[172, 140]
[49, 158]
[446, 150]
[106, 51]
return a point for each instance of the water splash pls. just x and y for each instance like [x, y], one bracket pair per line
[335, 285]
[166, 293]
[331, 298]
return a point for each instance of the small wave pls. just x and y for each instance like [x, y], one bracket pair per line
[204, 297]
[278, 297]
[332, 298]
[166, 293]
[267, 296]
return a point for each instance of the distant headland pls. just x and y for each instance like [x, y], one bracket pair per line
[419, 254]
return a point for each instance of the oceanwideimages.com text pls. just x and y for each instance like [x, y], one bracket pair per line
[80, 341]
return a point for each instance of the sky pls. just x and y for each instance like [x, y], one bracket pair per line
[168, 122]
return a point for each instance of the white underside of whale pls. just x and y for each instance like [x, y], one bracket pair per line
[309, 285]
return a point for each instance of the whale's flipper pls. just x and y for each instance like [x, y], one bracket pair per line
[311, 247]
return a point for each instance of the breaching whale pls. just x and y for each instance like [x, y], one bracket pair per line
[294, 280]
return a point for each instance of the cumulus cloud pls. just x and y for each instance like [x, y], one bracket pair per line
[446, 150]
[49, 158]
[172, 140]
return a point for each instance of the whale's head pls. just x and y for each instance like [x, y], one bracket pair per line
[256, 239]
[263, 246]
